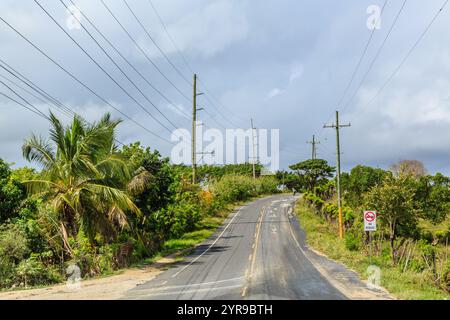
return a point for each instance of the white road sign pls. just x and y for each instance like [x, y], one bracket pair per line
[370, 220]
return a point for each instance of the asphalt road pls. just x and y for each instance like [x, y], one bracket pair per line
[258, 253]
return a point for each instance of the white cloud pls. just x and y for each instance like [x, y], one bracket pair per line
[295, 72]
[205, 31]
[178, 109]
[210, 29]
[274, 92]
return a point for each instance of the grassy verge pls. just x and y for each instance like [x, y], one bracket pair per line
[323, 237]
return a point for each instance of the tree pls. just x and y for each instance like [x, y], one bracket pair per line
[153, 178]
[313, 172]
[433, 197]
[413, 168]
[12, 193]
[394, 203]
[290, 180]
[83, 177]
[360, 180]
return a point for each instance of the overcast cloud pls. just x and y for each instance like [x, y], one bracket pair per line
[284, 63]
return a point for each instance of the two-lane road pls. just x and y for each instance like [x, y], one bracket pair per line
[258, 253]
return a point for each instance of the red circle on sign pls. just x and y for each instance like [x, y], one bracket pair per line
[370, 216]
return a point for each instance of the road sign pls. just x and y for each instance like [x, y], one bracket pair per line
[370, 220]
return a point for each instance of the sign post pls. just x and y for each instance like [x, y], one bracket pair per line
[370, 225]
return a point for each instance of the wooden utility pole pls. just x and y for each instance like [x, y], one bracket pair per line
[314, 148]
[337, 126]
[194, 127]
[253, 147]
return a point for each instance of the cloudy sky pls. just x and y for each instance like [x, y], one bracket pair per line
[285, 63]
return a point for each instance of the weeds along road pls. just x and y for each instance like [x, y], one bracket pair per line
[258, 253]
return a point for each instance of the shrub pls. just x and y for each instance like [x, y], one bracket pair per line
[233, 188]
[352, 241]
[13, 243]
[267, 185]
[330, 210]
[83, 253]
[32, 272]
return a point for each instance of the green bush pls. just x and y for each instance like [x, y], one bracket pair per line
[267, 185]
[32, 272]
[17, 265]
[352, 241]
[233, 188]
[330, 210]
[83, 253]
[13, 243]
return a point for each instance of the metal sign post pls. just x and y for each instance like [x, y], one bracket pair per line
[370, 225]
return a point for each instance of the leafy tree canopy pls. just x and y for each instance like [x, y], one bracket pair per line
[313, 172]
[360, 180]
[83, 177]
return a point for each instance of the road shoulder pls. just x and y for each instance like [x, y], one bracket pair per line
[345, 280]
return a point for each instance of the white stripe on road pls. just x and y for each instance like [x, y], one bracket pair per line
[196, 284]
[212, 244]
[192, 291]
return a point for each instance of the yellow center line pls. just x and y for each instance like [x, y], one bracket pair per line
[255, 248]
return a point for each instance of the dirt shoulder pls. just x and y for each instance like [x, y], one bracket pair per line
[107, 288]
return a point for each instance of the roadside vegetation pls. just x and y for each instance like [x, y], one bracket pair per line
[102, 207]
[410, 245]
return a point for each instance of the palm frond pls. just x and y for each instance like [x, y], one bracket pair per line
[39, 150]
[112, 196]
[40, 186]
[139, 182]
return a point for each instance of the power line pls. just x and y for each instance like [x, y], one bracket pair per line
[81, 82]
[32, 94]
[143, 51]
[190, 68]
[16, 74]
[125, 74]
[355, 70]
[62, 110]
[209, 96]
[360, 59]
[156, 44]
[376, 55]
[171, 38]
[103, 69]
[213, 118]
[23, 99]
[40, 114]
[422, 35]
[92, 24]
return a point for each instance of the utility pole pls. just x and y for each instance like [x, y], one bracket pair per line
[314, 148]
[337, 126]
[194, 127]
[253, 146]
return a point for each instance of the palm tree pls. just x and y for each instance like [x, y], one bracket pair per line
[83, 177]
